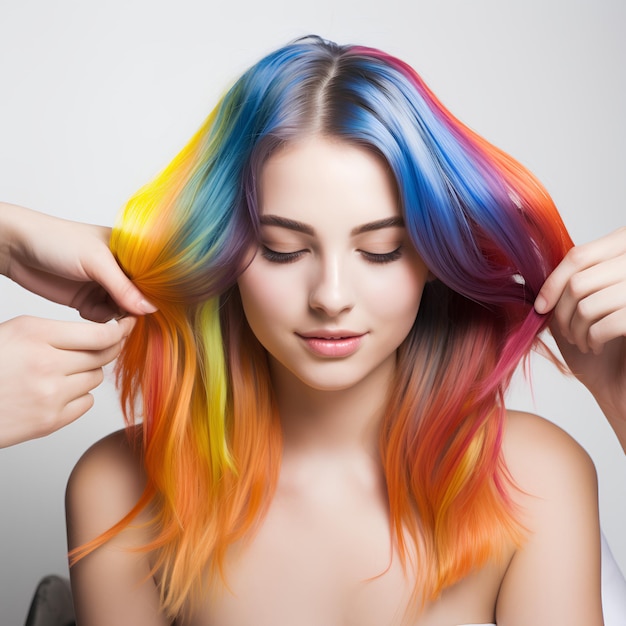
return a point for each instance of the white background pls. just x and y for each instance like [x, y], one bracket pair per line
[96, 97]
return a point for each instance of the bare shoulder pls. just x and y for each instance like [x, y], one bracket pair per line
[113, 583]
[104, 486]
[554, 576]
[542, 457]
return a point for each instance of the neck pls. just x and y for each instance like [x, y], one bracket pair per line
[332, 421]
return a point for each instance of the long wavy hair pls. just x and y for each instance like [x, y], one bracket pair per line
[197, 378]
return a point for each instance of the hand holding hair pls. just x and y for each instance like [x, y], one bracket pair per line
[66, 262]
[587, 294]
[48, 369]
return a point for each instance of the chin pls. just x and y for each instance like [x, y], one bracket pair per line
[340, 377]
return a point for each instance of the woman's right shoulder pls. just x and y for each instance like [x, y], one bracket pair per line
[113, 580]
[105, 484]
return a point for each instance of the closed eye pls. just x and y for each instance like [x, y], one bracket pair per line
[280, 257]
[386, 257]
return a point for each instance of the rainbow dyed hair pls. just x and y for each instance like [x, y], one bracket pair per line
[197, 376]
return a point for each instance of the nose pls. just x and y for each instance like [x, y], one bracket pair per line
[331, 291]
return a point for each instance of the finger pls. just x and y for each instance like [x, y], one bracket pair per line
[109, 274]
[607, 329]
[76, 386]
[111, 293]
[78, 361]
[102, 311]
[577, 259]
[74, 409]
[94, 303]
[74, 399]
[90, 299]
[578, 303]
[89, 335]
[589, 311]
[80, 384]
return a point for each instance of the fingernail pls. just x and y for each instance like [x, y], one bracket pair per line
[541, 304]
[147, 307]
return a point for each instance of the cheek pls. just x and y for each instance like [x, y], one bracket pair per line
[254, 295]
[264, 298]
[398, 296]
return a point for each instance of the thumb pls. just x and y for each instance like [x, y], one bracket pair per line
[108, 273]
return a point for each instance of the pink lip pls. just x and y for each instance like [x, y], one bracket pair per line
[337, 343]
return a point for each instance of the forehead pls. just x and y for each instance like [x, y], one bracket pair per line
[320, 177]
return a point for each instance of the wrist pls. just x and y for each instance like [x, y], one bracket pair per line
[8, 235]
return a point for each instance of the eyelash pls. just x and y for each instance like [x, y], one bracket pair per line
[280, 257]
[289, 257]
[387, 257]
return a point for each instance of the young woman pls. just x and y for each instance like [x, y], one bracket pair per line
[345, 278]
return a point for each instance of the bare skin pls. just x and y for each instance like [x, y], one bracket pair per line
[587, 293]
[323, 555]
[48, 368]
[327, 533]
[66, 262]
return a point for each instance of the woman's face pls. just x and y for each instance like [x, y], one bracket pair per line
[335, 284]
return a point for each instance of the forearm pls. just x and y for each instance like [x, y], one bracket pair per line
[610, 392]
[7, 235]
[18, 227]
[620, 431]
[617, 419]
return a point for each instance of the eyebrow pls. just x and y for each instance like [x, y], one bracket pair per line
[389, 222]
[283, 222]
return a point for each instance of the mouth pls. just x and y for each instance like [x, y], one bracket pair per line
[332, 344]
[330, 334]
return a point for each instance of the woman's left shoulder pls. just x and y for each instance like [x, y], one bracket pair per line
[554, 575]
[542, 457]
